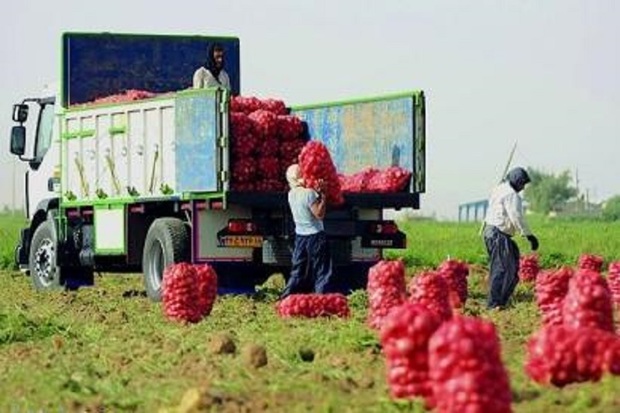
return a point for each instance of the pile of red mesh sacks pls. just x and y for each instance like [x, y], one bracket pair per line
[265, 140]
[314, 305]
[188, 292]
[577, 343]
[386, 289]
[455, 273]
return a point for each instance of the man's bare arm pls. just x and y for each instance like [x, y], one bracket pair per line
[318, 207]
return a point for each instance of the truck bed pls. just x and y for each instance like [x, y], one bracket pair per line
[376, 132]
[177, 145]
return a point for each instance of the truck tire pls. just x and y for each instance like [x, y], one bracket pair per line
[167, 242]
[44, 270]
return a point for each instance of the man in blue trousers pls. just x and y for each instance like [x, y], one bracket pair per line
[503, 220]
[311, 262]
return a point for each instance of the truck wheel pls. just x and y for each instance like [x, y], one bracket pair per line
[44, 271]
[167, 242]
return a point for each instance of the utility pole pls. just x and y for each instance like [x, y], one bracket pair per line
[580, 203]
[577, 179]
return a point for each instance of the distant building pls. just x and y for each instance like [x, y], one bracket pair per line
[579, 207]
[473, 211]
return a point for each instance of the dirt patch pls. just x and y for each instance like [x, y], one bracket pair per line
[91, 407]
[254, 355]
[197, 400]
[222, 343]
[339, 362]
[347, 385]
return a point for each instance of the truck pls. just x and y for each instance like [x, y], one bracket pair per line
[137, 185]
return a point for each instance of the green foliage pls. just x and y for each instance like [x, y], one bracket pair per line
[611, 210]
[548, 192]
[10, 225]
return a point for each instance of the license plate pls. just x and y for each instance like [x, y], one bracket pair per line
[382, 243]
[244, 241]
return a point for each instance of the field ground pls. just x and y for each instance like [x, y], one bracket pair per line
[109, 347]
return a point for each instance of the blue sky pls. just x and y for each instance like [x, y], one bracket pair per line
[545, 74]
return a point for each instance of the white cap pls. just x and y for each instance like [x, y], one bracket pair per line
[293, 176]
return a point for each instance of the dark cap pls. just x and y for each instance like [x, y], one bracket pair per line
[518, 178]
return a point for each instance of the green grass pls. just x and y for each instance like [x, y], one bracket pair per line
[9, 236]
[108, 347]
[561, 242]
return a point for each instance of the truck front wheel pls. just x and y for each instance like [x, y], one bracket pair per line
[167, 242]
[42, 262]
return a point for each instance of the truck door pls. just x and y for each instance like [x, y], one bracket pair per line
[43, 177]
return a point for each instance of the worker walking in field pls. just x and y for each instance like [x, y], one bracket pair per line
[503, 220]
[311, 261]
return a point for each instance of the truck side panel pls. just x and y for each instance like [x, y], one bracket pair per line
[102, 157]
[110, 152]
[137, 167]
[360, 134]
[73, 178]
[197, 127]
[153, 148]
[120, 149]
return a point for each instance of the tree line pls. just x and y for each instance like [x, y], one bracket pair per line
[550, 193]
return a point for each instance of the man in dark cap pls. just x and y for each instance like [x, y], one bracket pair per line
[505, 219]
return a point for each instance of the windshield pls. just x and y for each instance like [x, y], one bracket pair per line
[44, 133]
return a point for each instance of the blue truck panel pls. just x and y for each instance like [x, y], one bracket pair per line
[95, 65]
[360, 134]
[196, 155]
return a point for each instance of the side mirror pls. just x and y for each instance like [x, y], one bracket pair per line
[18, 140]
[20, 112]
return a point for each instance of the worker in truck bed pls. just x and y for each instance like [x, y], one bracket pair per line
[212, 74]
[311, 261]
[505, 219]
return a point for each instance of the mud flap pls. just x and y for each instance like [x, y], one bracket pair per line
[76, 277]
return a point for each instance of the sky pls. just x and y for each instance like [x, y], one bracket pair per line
[543, 74]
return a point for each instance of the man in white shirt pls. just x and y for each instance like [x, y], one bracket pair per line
[311, 261]
[503, 220]
[212, 74]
